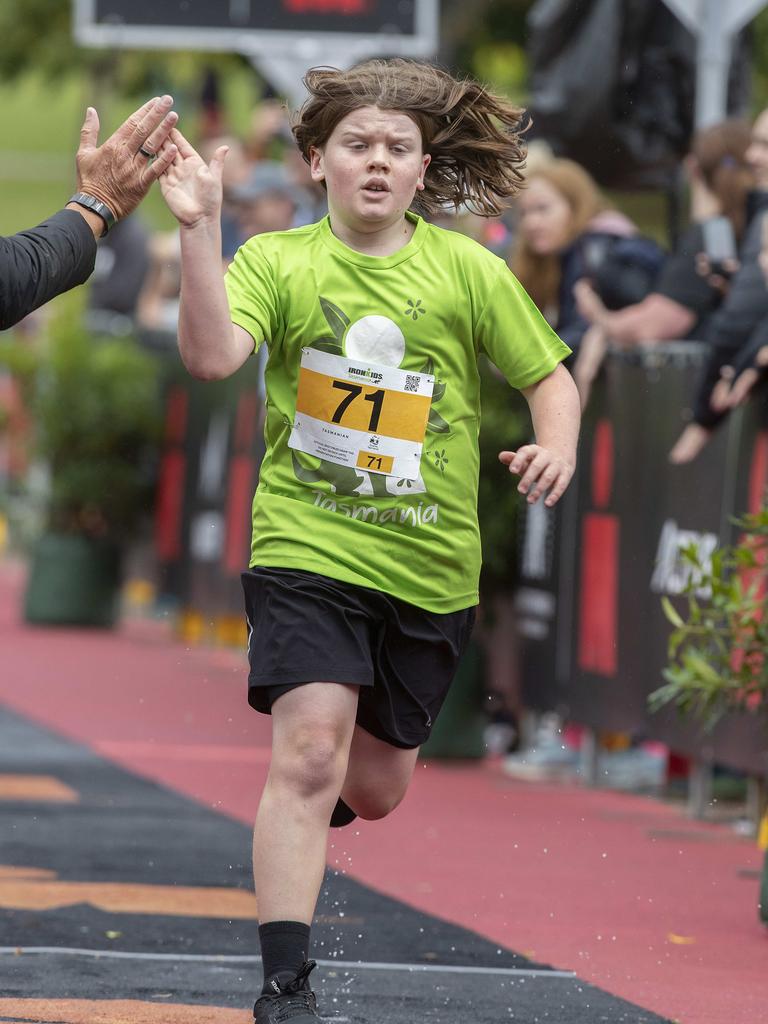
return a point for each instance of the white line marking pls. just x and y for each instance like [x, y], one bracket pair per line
[213, 958]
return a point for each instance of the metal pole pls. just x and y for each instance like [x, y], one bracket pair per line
[714, 23]
[713, 61]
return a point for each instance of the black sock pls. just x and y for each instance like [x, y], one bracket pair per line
[342, 815]
[284, 947]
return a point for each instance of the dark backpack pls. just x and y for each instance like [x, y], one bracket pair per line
[622, 270]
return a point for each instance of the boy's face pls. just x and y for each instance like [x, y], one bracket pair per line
[372, 165]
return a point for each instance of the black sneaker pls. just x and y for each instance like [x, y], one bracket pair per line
[293, 1000]
[342, 815]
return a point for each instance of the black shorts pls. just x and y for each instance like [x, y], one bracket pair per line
[307, 628]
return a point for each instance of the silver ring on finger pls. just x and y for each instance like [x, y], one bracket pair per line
[146, 153]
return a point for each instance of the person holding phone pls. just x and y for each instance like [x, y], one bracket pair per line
[742, 312]
[693, 281]
[738, 381]
[112, 179]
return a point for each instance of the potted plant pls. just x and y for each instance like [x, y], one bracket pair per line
[95, 406]
[717, 652]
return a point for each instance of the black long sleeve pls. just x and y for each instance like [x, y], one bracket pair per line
[37, 264]
[744, 309]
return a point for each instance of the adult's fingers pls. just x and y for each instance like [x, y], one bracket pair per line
[89, 133]
[140, 125]
[719, 400]
[160, 134]
[131, 123]
[165, 158]
[742, 387]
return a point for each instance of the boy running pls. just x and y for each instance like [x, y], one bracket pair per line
[366, 555]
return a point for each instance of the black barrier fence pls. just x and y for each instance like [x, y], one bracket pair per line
[208, 473]
[594, 571]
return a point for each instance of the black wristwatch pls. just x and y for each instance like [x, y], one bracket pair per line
[95, 206]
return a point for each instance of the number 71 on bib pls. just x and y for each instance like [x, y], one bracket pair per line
[362, 415]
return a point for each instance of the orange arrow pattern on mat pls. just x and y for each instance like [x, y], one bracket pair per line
[36, 889]
[114, 1011]
[36, 788]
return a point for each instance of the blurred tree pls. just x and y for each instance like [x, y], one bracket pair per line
[760, 62]
[487, 39]
[38, 34]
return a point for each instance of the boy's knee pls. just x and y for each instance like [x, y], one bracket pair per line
[372, 805]
[313, 761]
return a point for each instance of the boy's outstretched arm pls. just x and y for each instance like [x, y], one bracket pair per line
[211, 346]
[548, 465]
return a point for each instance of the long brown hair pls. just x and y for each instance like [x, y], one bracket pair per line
[539, 274]
[472, 135]
[720, 152]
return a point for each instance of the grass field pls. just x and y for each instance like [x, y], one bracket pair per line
[41, 125]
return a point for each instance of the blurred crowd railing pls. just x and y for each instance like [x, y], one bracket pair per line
[208, 471]
[593, 571]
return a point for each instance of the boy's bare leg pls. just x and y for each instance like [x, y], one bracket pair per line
[312, 728]
[378, 775]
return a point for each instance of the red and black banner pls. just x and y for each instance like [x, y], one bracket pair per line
[364, 17]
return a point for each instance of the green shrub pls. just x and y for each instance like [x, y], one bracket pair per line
[717, 651]
[95, 404]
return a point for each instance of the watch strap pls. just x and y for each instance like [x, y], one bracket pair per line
[95, 206]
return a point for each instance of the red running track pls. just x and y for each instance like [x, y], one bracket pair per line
[624, 890]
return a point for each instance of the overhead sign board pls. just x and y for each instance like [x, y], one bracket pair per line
[404, 27]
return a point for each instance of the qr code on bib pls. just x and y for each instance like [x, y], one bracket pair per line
[411, 382]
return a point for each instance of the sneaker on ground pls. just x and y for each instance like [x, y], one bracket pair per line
[293, 1001]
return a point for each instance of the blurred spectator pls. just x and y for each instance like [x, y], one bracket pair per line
[237, 167]
[270, 133]
[311, 197]
[686, 292]
[122, 264]
[731, 330]
[567, 231]
[737, 381]
[265, 201]
[158, 305]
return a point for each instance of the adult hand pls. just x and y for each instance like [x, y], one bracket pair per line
[719, 274]
[542, 470]
[719, 400]
[588, 302]
[191, 188]
[117, 172]
[742, 386]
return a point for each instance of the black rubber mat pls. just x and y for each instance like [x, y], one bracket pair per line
[380, 959]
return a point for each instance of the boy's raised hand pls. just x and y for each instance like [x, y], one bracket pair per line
[541, 469]
[191, 188]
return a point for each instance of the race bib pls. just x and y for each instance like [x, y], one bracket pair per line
[361, 414]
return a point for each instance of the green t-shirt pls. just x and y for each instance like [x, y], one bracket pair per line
[428, 309]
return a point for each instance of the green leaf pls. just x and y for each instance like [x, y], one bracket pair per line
[671, 612]
[328, 345]
[439, 391]
[337, 319]
[303, 473]
[436, 423]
